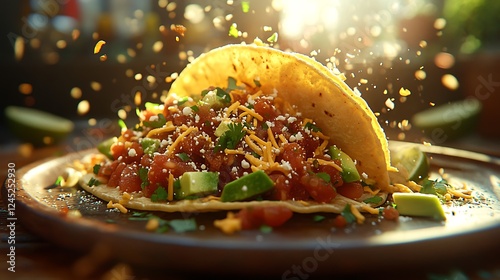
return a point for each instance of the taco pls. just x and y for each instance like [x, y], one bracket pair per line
[248, 125]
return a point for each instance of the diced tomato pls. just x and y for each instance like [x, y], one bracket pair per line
[276, 216]
[390, 213]
[319, 189]
[129, 179]
[295, 155]
[129, 152]
[339, 222]
[265, 108]
[273, 216]
[161, 167]
[106, 169]
[114, 179]
[353, 190]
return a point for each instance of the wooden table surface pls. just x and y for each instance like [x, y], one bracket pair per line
[36, 258]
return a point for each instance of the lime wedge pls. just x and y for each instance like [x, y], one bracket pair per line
[448, 121]
[411, 162]
[37, 127]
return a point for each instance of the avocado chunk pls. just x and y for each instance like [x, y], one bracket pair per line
[419, 204]
[197, 184]
[349, 171]
[247, 186]
[104, 147]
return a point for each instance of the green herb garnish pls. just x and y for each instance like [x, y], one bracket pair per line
[318, 218]
[245, 6]
[122, 124]
[150, 145]
[373, 200]
[435, 187]
[265, 229]
[231, 137]
[273, 38]
[348, 215]
[183, 156]
[160, 194]
[143, 174]
[93, 182]
[324, 176]
[312, 127]
[233, 30]
[96, 169]
[161, 121]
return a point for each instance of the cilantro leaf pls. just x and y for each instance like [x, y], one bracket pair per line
[373, 200]
[266, 229]
[161, 121]
[435, 187]
[312, 127]
[183, 225]
[96, 169]
[324, 176]
[231, 137]
[143, 174]
[160, 194]
[183, 156]
[93, 182]
[318, 218]
[348, 215]
[223, 95]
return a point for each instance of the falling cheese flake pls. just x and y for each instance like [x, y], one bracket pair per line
[449, 81]
[25, 88]
[389, 104]
[83, 107]
[103, 57]
[404, 92]
[178, 28]
[98, 46]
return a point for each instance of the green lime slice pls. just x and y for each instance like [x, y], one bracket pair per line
[448, 121]
[411, 162]
[37, 127]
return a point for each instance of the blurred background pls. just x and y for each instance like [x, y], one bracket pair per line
[402, 56]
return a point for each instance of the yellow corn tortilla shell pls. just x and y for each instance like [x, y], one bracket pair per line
[317, 92]
[210, 204]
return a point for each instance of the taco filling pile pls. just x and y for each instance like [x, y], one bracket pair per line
[247, 125]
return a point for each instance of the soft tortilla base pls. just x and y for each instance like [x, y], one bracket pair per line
[140, 202]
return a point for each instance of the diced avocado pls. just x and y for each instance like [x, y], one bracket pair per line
[105, 147]
[349, 171]
[197, 184]
[419, 204]
[247, 186]
[213, 99]
[150, 145]
[223, 127]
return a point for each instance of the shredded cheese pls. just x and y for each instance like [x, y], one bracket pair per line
[359, 217]
[152, 224]
[271, 138]
[170, 187]
[229, 225]
[172, 147]
[118, 206]
[231, 108]
[157, 131]
[250, 112]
